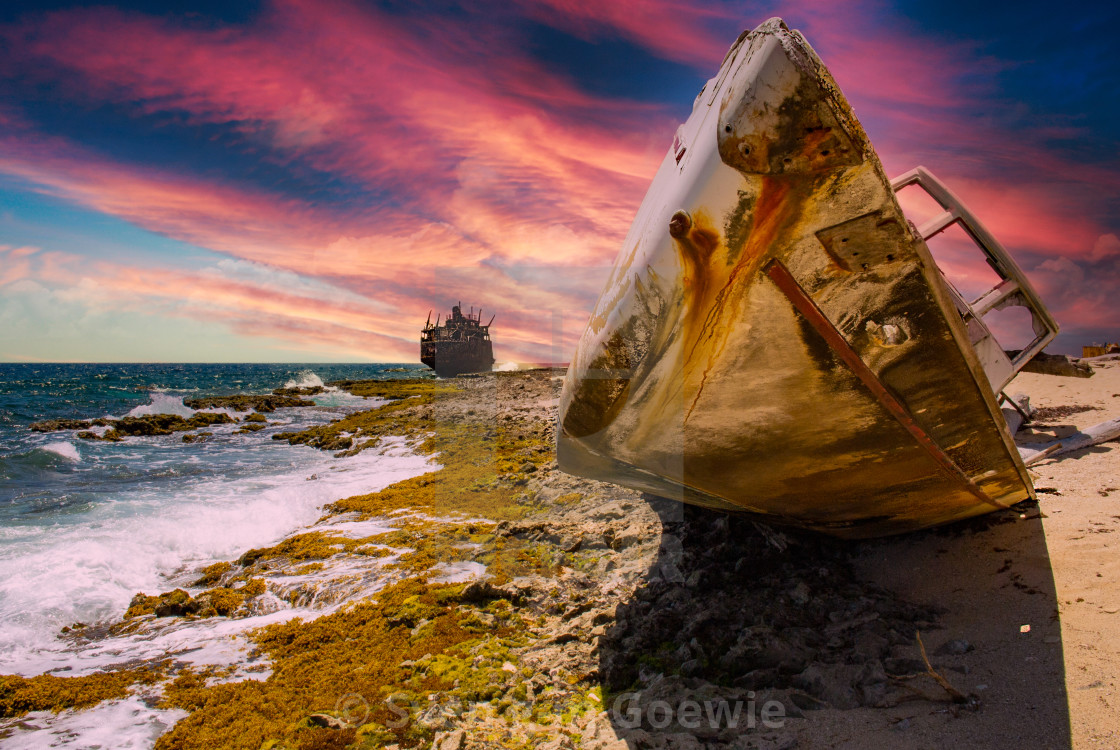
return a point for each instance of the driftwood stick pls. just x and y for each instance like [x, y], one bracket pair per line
[1100, 433]
[956, 695]
[1036, 457]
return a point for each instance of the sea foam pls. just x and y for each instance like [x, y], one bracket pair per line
[162, 403]
[122, 724]
[305, 379]
[155, 541]
[66, 450]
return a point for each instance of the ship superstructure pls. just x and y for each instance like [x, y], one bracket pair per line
[462, 344]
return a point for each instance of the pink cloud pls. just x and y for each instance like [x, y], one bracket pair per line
[360, 93]
[15, 263]
[493, 162]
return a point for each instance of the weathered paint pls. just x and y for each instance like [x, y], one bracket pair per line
[698, 378]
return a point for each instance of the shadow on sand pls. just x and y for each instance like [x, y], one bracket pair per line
[742, 637]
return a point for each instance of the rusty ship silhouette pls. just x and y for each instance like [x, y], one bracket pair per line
[461, 345]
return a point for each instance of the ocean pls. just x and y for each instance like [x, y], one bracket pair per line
[85, 525]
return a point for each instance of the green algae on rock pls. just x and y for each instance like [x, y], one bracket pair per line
[415, 639]
[311, 545]
[399, 417]
[148, 424]
[244, 402]
[305, 390]
[18, 695]
[220, 601]
[372, 649]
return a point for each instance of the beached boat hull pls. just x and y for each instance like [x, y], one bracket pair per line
[775, 337]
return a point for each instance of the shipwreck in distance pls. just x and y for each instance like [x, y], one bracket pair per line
[775, 337]
[461, 345]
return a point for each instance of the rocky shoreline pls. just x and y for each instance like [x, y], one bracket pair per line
[605, 619]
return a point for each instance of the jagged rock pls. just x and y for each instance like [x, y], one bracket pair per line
[479, 591]
[52, 425]
[205, 419]
[1055, 364]
[262, 403]
[608, 512]
[449, 740]
[631, 535]
[110, 436]
[172, 604]
[831, 683]
[323, 440]
[306, 390]
[148, 424]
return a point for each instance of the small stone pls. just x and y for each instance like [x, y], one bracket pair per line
[628, 537]
[449, 740]
[683, 741]
[509, 667]
[955, 647]
[326, 721]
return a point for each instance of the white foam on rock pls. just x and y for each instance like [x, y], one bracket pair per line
[89, 572]
[457, 572]
[120, 724]
[162, 403]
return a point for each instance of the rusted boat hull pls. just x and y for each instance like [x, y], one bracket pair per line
[775, 337]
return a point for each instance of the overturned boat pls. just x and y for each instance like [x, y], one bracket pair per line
[775, 337]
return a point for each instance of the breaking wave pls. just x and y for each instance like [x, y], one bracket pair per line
[304, 379]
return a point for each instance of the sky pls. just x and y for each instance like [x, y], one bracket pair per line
[302, 181]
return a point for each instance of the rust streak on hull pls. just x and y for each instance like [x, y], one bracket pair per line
[774, 211]
[784, 280]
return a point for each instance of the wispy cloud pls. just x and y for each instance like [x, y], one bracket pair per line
[481, 163]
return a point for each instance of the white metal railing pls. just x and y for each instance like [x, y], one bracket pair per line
[1014, 290]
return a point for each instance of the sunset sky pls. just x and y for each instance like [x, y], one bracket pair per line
[303, 181]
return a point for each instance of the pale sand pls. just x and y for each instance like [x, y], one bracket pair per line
[1084, 553]
[1053, 686]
